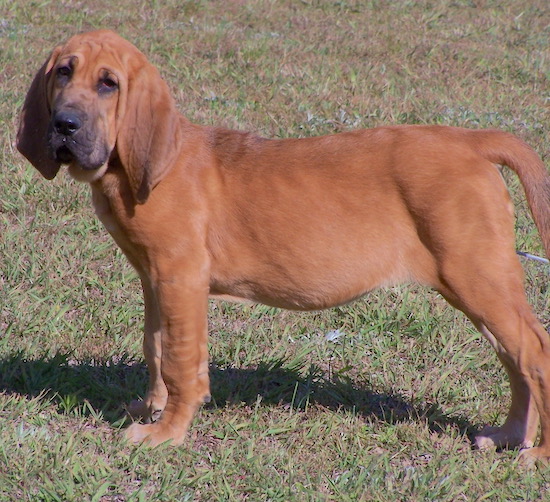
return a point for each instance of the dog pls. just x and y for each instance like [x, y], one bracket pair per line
[293, 223]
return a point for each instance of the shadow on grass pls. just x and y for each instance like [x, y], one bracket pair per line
[109, 385]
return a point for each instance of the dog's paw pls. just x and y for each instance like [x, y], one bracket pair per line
[533, 457]
[154, 434]
[499, 437]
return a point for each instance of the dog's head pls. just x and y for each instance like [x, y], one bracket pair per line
[97, 99]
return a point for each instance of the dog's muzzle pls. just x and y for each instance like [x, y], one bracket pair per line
[70, 141]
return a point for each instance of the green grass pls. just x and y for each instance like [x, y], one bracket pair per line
[383, 412]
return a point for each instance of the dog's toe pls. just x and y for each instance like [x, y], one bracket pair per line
[154, 434]
[501, 437]
[534, 457]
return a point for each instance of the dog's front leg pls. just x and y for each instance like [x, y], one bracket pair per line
[150, 409]
[182, 293]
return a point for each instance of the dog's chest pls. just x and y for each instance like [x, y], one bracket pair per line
[103, 211]
[118, 213]
[110, 211]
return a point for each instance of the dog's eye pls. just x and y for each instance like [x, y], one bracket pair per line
[64, 72]
[107, 84]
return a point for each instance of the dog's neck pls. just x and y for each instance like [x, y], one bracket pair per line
[112, 193]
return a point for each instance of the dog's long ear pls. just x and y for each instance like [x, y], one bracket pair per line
[32, 136]
[149, 135]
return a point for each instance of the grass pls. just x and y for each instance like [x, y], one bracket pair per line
[385, 410]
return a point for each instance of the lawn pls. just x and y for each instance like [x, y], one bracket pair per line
[375, 401]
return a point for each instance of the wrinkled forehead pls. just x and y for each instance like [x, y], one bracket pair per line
[99, 48]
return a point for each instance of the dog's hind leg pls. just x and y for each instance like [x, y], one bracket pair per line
[491, 294]
[521, 426]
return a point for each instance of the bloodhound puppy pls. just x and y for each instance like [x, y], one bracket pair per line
[293, 223]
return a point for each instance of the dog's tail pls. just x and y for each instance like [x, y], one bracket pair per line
[506, 149]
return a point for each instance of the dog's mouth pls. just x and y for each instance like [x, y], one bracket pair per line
[86, 162]
[64, 155]
[62, 148]
[68, 151]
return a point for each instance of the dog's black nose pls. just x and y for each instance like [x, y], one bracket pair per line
[66, 123]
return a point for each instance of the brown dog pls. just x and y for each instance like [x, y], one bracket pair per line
[295, 223]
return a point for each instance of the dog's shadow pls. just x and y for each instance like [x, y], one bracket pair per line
[107, 387]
